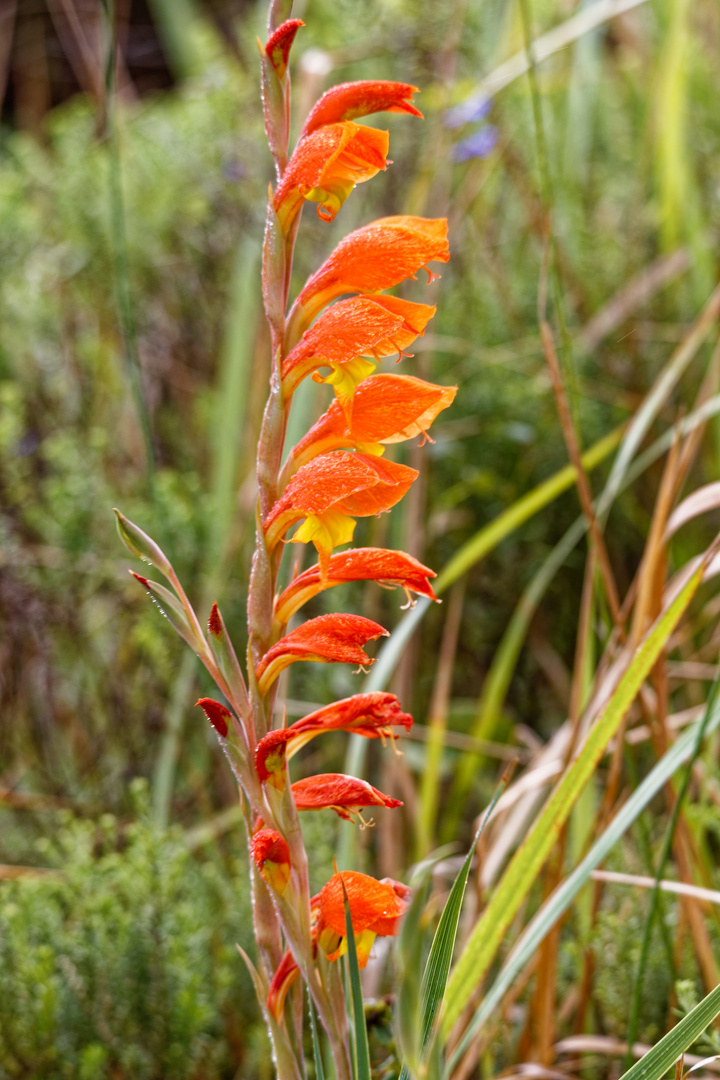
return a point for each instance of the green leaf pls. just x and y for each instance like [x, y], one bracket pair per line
[169, 606]
[362, 1050]
[561, 899]
[139, 544]
[317, 1056]
[529, 858]
[657, 1061]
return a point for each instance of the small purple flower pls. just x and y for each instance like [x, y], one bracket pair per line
[468, 112]
[478, 145]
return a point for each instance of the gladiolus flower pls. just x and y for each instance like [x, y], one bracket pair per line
[389, 568]
[350, 100]
[383, 409]
[375, 908]
[371, 715]
[326, 166]
[272, 856]
[375, 257]
[331, 489]
[360, 327]
[282, 980]
[328, 639]
[279, 44]
[216, 713]
[346, 795]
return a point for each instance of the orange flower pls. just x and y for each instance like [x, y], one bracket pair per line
[389, 568]
[373, 258]
[371, 715]
[216, 713]
[348, 101]
[326, 166]
[346, 795]
[383, 409]
[282, 980]
[375, 908]
[279, 44]
[272, 856]
[331, 489]
[362, 326]
[328, 639]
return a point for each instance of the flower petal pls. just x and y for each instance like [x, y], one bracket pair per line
[346, 795]
[327, 639]
[371, 715]
[326, 166]
[348, 101]
[394, 568]
[333, 488]
[279, 44]
[272, 857]
[285, 975]
[373, 258]
[375, 906]
[216, 713]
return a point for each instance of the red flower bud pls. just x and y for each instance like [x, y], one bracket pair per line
[216, 713]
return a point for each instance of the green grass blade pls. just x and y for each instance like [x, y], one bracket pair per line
[437, 968]
[362, 1050]
[529, 858]
[561, 899]
[659, 874]
[657, 1061]
[319, 1070]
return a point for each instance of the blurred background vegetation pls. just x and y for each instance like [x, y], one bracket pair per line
[133, 369]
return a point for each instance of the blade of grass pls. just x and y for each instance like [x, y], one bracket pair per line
[657, 1061]
[317, 1056]
[362, 1050]
[559, 902]
[437, 968]
[660, 873]
[531, 855]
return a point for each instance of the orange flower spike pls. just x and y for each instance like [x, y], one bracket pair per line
[272, 857]
[362, 326]
[329, 493]
[326, 166]
[279, 44]
[348, 101]
[328, 639]
[371, 715]
[216, 713]
[346, 795]
[375, 908]
[390, 568]
[282, 980]
[373, 258]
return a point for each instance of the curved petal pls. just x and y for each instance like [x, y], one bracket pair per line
[374, 258]
[327, 639]
[371, 715]
[326, 166]
[348, 101]
[346, 795]
[329, 492]
[279, 44]
[392, 568]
